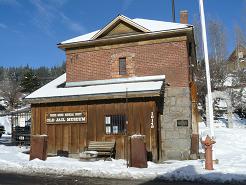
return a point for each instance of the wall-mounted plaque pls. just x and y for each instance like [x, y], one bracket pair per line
[182, 123]
[108, 129]
[115, 130]
[66, 117]
[107, 120]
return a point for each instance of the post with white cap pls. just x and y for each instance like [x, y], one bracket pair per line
[205, 49]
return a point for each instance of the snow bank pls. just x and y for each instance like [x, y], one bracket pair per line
[238, 122]
[12, 160]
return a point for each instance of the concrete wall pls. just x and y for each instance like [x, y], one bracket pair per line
[176, 140]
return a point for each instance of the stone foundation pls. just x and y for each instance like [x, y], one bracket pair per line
[176, 140]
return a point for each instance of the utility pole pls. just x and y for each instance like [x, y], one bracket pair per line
[205, 49]
[237, 51]
[173, 10]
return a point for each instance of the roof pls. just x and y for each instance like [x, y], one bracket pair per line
[24, 109]
[233, 56]
[137, 85]
[145, 25]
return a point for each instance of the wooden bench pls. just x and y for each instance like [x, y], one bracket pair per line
[103, 148]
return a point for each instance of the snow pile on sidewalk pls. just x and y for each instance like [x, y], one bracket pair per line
[230, 150]
[238, 122]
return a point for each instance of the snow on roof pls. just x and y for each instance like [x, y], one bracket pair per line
[116, 81]
[152, 25]
[80, 38]
[25, 108]
[221, 104]
[52, 89]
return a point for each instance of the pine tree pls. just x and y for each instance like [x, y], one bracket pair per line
[29, 81]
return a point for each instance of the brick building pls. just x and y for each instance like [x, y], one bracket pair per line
[133, 76]
[237, 59]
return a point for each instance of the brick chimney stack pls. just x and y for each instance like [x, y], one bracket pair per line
[184, 17]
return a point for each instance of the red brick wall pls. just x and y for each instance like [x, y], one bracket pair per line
[169, 58]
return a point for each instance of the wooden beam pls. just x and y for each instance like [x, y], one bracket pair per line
[95, 97]
[126, 39]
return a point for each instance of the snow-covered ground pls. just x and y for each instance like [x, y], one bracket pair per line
[230, 150]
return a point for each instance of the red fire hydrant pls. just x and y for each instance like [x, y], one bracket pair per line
[208, 144]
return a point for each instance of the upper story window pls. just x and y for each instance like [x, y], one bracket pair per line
[122, 66]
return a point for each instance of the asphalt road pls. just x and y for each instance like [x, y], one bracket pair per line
[16, 179]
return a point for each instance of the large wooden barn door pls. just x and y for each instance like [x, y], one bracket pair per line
[144, 122]
[66, 137]
[69, 137]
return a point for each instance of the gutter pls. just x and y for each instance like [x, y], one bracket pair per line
[116, 81]
[120, 95]
[133, 37]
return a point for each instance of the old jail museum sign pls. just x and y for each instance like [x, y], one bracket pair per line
[66, 117]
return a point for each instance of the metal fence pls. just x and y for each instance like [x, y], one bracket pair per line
[21, 135]
[21, 127]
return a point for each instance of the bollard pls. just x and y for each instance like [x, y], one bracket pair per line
[39, 147]
[138, 153]
[208, 143]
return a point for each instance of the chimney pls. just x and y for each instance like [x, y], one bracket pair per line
[184, 17]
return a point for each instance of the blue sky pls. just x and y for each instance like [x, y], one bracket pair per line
[30, 29]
